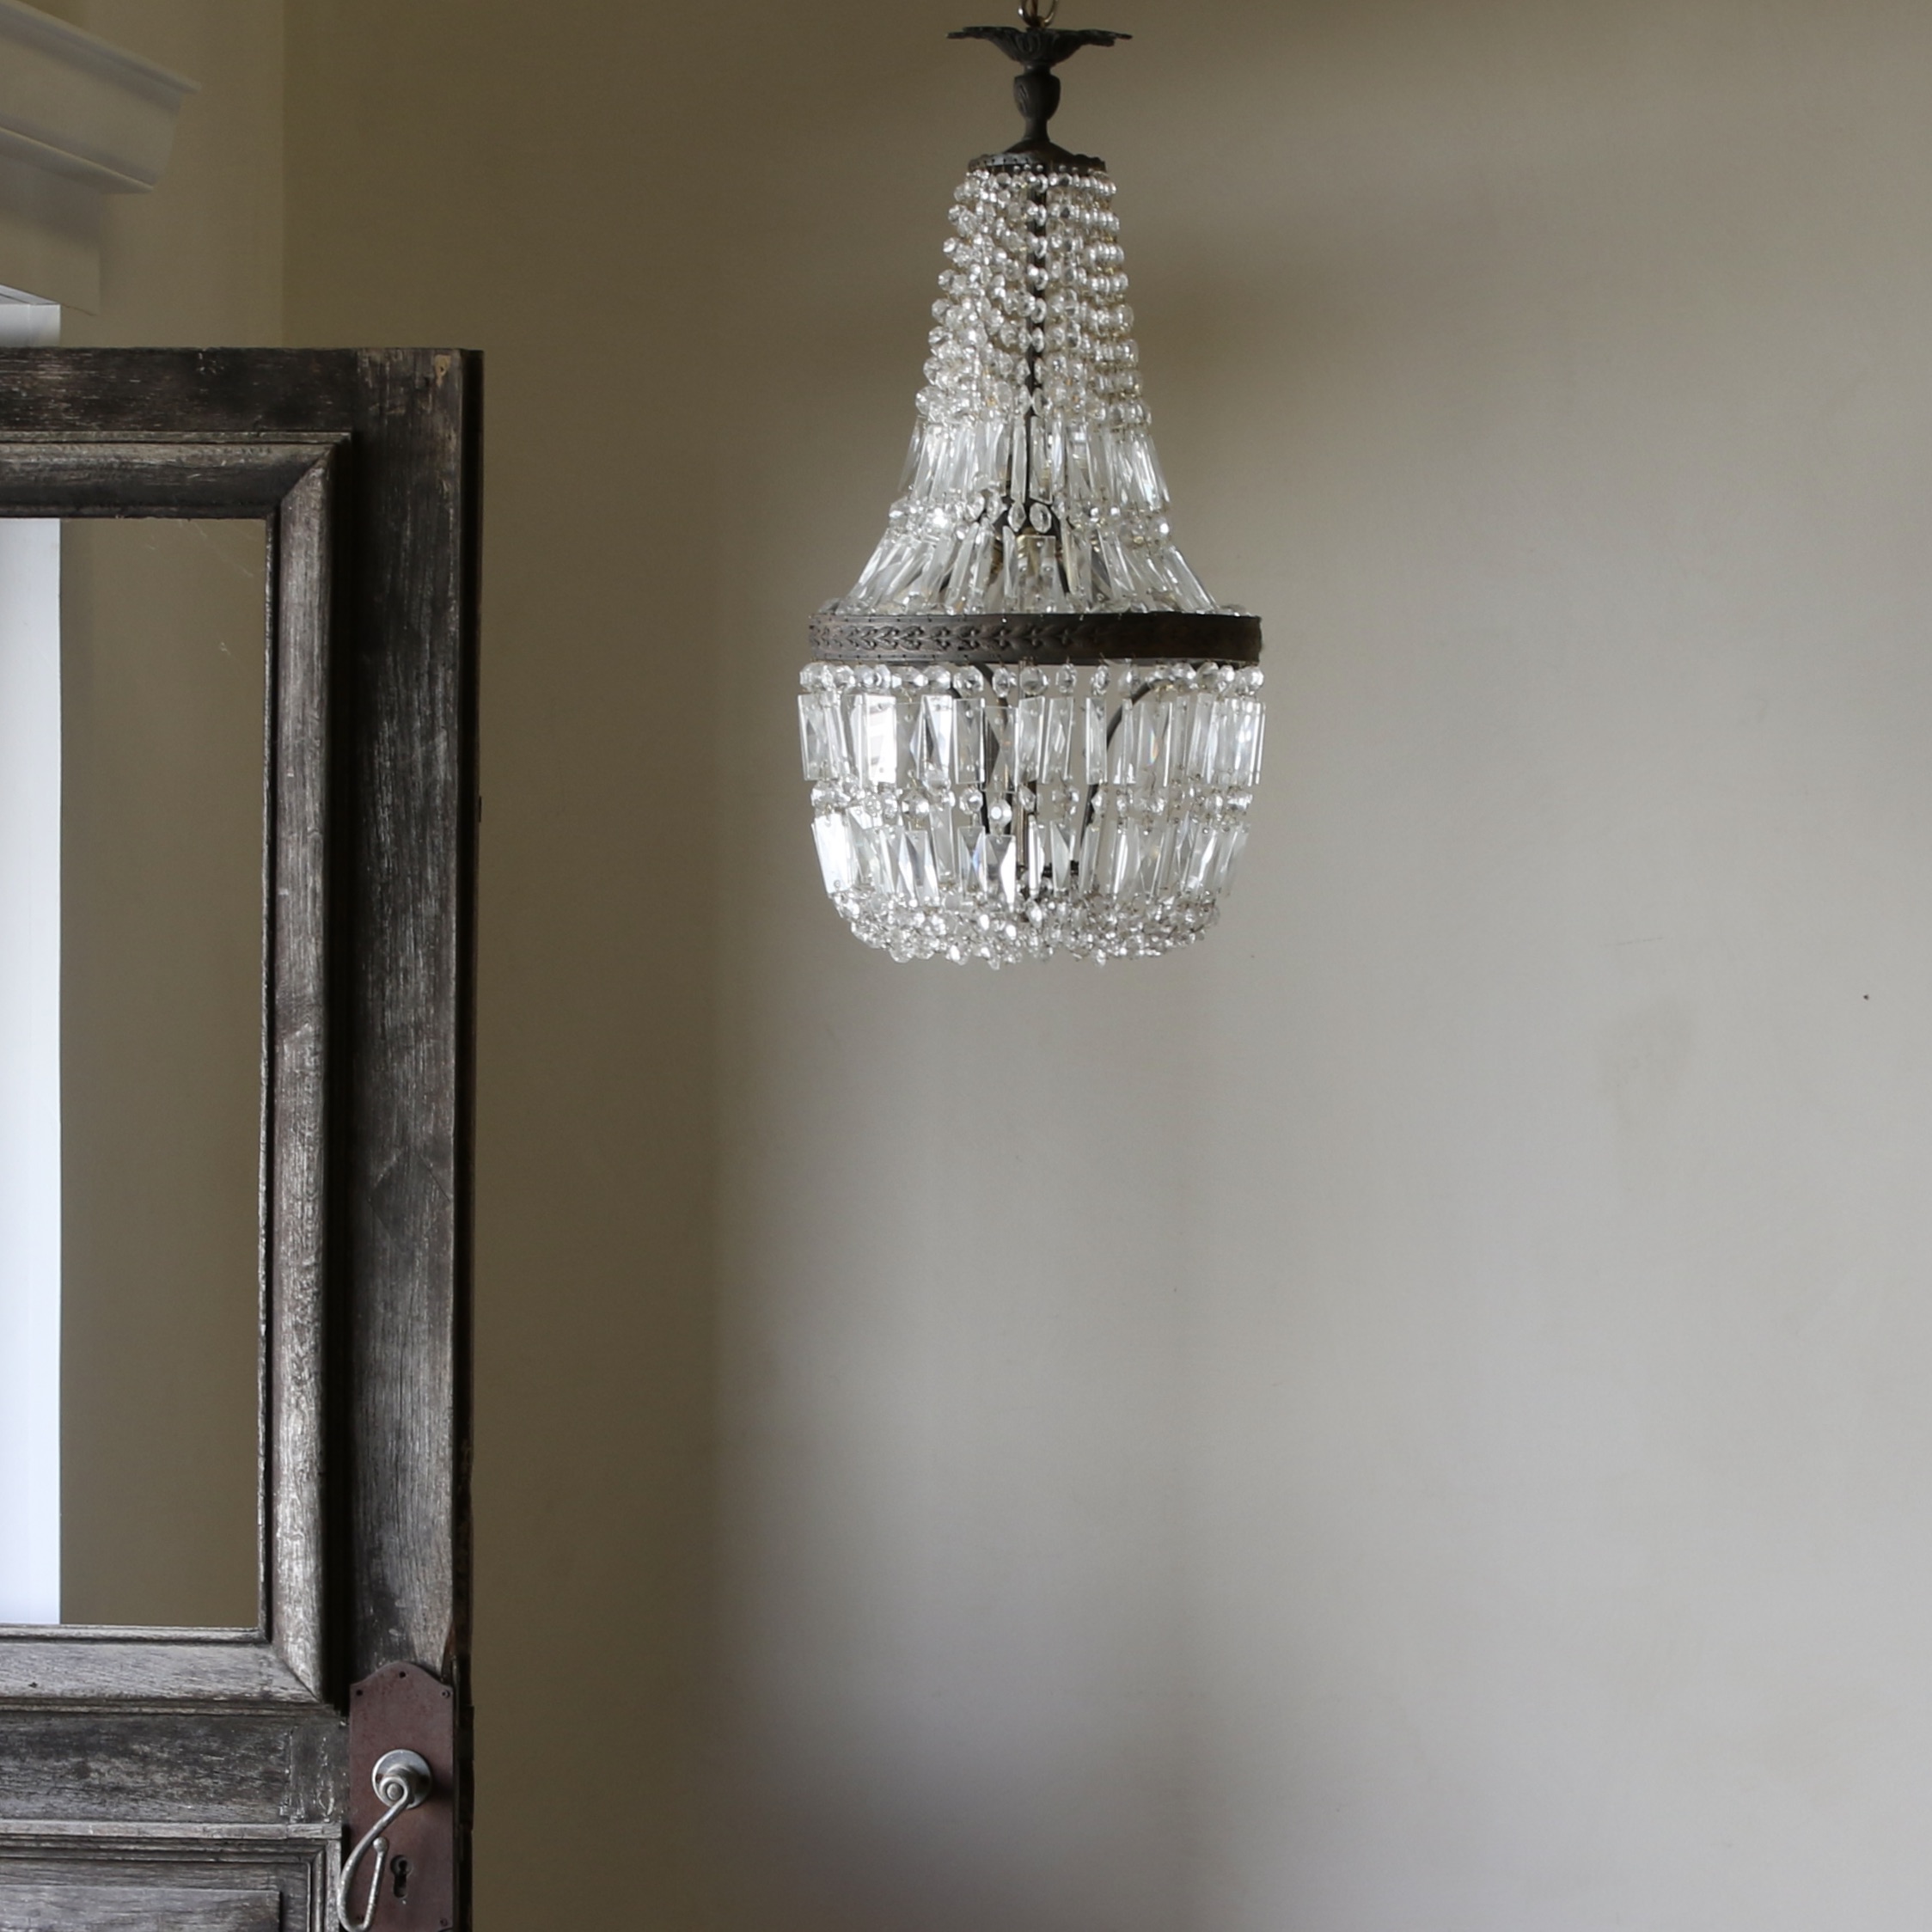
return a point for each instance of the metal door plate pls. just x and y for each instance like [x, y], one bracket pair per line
[402, 1708]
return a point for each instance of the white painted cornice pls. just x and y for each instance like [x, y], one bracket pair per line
[80, 120]
[75, 105]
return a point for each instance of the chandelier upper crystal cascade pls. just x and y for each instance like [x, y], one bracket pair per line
[1028, 727]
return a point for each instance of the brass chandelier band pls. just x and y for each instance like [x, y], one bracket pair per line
[1038, 637]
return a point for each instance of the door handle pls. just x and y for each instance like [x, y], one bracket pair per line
[402, 1780]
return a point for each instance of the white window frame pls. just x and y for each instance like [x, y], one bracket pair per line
[30, 1197]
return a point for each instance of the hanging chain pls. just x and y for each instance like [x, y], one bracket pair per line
[1030, 13]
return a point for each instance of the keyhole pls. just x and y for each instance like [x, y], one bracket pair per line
[400, 1868]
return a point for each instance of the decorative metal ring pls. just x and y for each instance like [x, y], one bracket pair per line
[1045, 638]
[1030, 12]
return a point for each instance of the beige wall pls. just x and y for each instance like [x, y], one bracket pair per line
[1410, 1416]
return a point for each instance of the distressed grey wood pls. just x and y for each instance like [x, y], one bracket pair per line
[294, 1190]
[207, 479]
[118, 1768]
[408, 1110]
[294, 484]
[66, 1839]
[67, 1662]
[58, 1905]
[53, 1880]
[167, 395]
[364, 466]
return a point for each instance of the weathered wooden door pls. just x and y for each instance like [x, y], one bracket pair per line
[211, 1779]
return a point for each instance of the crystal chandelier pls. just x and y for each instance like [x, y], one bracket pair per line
[1027, 728]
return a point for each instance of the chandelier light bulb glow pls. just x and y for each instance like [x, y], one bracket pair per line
[1028, 727]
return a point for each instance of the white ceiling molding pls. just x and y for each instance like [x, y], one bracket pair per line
[79, 118]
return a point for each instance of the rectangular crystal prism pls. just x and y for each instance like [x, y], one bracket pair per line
[875, 738]
[1143, 473]
[946, 721]
[1090, 756]
[1201, 858]
[1039, 862]
[1044, 481]
[1004, 587]
[922, 593]
[968, 858]
[946, 849]
[973, 860]
[968, 589]
[1152, 739]
[920, 870]
[899, 861]
[906, 721]
[833, 836]
[1062, 838]
[1112, 566]
[1075, 558]
[1000, 746]
[871, 861]
[1201, 736]
[820, 742]
[970, 740]
[1180, 859]
[1002, 869]
[1123, 747]
[1088, 858]
[1233, 838]
[1103, 486]
[1056, 741]
[1248, 742]
[1230, 743]
[1157, 861]
[1078, 457]
[918, 740]
[895, 564]
[1227, 724]
[1124, 877]
[1029, 717]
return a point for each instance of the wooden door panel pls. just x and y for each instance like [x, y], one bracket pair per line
[199, 1778]
[54, 1905]
[136, 1884]
[244, 1768]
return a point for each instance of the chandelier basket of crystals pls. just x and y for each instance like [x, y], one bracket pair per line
[1027, 728]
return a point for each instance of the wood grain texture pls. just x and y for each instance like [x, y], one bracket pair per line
[111, 1880]
[366, 465]
[409, 1007]
[210, 1768]
[58, 1905]
[171, 393]
[412, 820]
[295, 1073]
[199, 478]
[110, 1666]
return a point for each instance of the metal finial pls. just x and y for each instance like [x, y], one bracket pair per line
[1039, 49]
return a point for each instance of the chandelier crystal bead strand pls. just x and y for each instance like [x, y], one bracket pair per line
[1027, 728]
